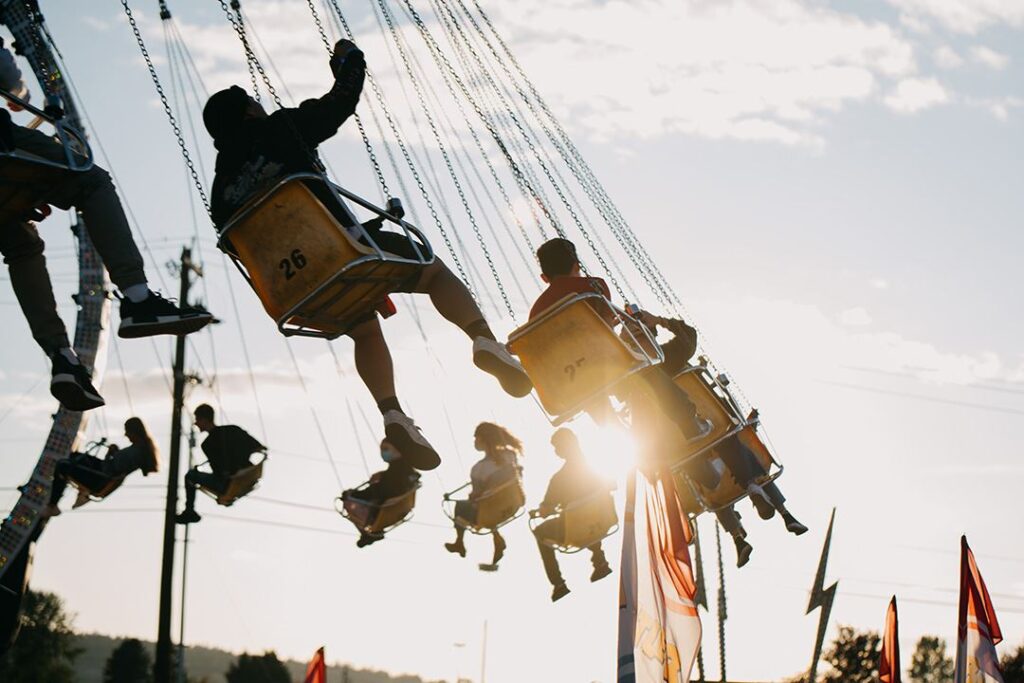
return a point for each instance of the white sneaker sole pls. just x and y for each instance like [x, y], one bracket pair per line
[512, 377]
[166, 324]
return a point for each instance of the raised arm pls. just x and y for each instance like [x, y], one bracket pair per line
[319, 119]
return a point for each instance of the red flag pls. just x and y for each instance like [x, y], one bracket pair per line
[316, 671]
[889, 661]
[978, 630]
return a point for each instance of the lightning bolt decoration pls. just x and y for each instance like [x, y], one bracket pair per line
[821, 597]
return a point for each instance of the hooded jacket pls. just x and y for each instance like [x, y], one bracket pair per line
[254, 152]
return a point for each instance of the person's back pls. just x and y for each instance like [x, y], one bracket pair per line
[573, 482]
[491, 471]
[254, 149]
[560, 269]
[228, 448]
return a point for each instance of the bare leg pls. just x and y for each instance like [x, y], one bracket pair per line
[450, 296]
[373, 360]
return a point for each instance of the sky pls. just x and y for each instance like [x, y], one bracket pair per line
[832, 188]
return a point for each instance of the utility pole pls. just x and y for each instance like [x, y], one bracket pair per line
[162, 666]
[483, 656]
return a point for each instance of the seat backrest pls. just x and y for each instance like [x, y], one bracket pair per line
[393, 511]
[500, 505]
[588, 521]
[242, 482]
[698, 385]
[290, 244]
[572, 355]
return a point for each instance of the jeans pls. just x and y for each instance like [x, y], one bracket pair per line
[93, 194]
[554, 530]
[86, 469]
[746, 469]
[208, 480]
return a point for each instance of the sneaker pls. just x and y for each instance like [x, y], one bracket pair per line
[71, 384]
[156, 315]
[456, 548]
[600, 571]
[559, 592]
[765, 510]
[407, 438]
[369, 538]
[49, 511]
[493, 358]
[488, 567]
[792, 525]
[704, 428]
[83, 498]
[743, 550]
[188, 516]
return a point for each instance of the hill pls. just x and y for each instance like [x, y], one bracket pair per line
[210, 664]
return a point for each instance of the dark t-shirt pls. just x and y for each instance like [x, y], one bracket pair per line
[263, 150]
[680, 349]
[573, 482]
[228, 448]
[560, 287]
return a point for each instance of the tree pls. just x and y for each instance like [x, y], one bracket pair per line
[128, 663]
[1013, 666]
[265, 668]
[853, 656]
[45, 649]
[930, 664]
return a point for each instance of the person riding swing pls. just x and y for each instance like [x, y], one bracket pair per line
[364, 504]
[228, 448]
[255, 149]
[144, 312]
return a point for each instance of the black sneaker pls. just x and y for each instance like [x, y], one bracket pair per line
[410, 442]
[71, 384]
[156, 315]
[600, 571]
[188, 516]
[559, 592]
[743, 550]
[793, 526]
[369, 538]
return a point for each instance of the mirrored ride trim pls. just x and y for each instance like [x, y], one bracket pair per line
[23, 175]
[574, 355]
[316, 275]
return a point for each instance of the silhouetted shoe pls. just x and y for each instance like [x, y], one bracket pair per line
[793, 526]
[71, 384]
[765, 510]
[369, 538]
[50, 511]
[600, 571]
[743, 550]
[456, 548]
[187, 516]
[559, 592]
[493, 358]
[410, 442]
[156, 315]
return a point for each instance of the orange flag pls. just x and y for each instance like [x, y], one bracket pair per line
[316, 671]
[977, 629]
[889, 661]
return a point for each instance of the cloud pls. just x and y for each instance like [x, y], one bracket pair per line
[912, 95]
[964, 16]
[855, 317]
[989, 57]
[947, 58]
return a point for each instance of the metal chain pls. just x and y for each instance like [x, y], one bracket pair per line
[722, 614]
[359, 121]
[167, 107]
[447, 159]
[248, 62]
[438, 55]
[408, 160]
[250, 55]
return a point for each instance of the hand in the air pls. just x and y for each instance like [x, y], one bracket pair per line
[346, 57]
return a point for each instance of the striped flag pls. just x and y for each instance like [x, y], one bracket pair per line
[889, 661]
[316, 671]
[659, 629]
[977, 629]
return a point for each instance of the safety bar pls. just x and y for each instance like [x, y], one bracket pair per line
[68, 136]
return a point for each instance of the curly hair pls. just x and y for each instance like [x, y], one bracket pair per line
[497, 436]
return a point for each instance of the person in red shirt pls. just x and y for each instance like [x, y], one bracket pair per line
[560, 269]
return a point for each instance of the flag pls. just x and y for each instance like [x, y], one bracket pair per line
[889, 661]
[659, 629]
[316, 670]
[977, 628]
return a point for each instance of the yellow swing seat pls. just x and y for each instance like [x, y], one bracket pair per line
[240, 484]
[494, 508]
[585, 522]
[376, 518]
[96, 495]
[314, 277]
[574, 356]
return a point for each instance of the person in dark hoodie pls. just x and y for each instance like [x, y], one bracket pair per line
[255, 149]
[397, 479]
[92, 194]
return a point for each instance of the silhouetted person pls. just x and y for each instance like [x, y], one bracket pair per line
[397, 479]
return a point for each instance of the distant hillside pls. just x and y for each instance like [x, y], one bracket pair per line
[210, 664]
